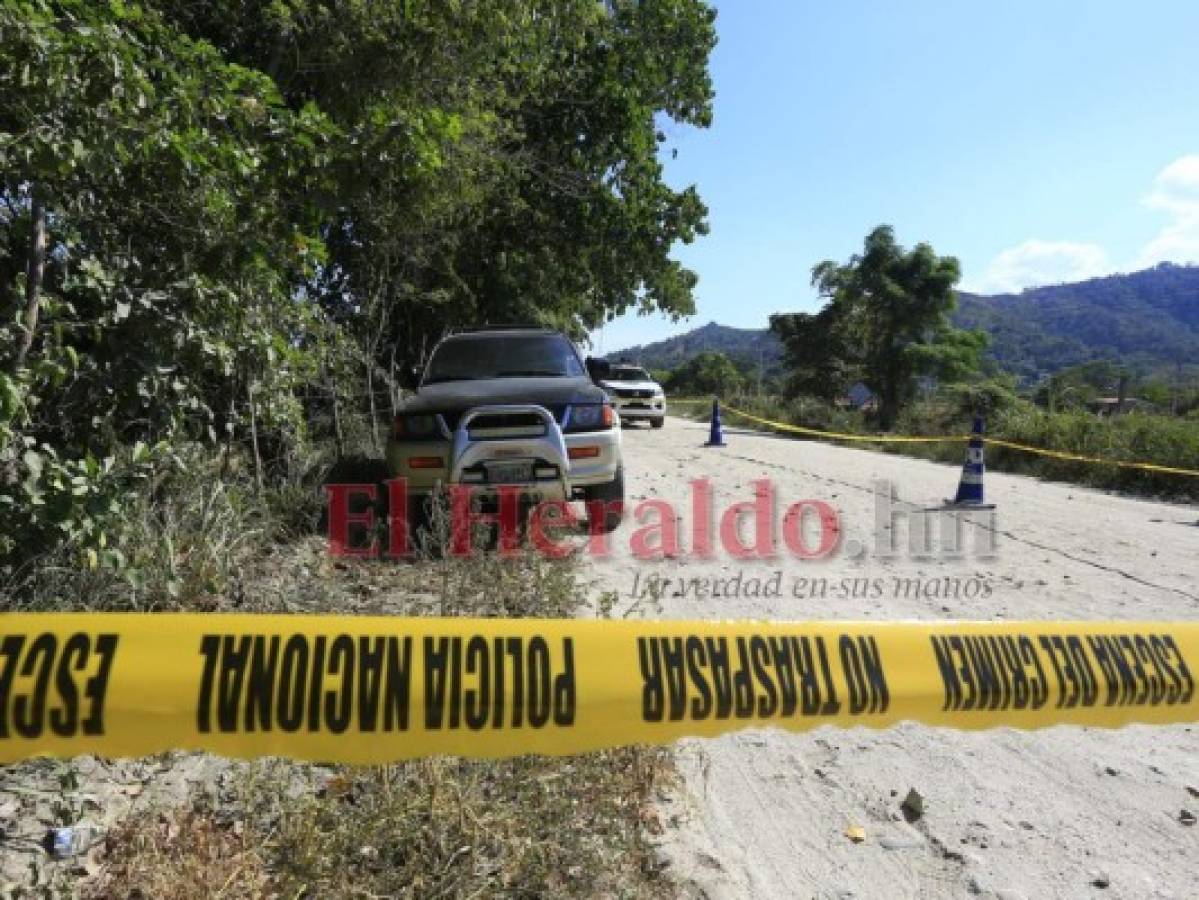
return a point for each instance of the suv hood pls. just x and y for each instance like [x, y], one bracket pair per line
[456, 396]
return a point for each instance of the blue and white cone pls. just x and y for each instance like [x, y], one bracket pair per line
[716, 435]
[970, 488]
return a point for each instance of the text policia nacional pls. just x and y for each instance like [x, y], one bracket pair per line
[58, 683]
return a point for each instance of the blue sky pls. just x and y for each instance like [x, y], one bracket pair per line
[1038, 142]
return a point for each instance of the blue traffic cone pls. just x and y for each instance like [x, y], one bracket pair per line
[716, 435]
[970, 488]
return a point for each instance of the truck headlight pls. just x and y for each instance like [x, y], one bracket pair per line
[589, 417]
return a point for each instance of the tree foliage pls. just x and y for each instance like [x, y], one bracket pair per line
[710, 372]
[230, 222]
[1075, 387]
[155, 216]
[499, 161]
[815, 354]
[885, 322]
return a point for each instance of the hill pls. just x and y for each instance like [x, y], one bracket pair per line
[1149, 320]
[746, 346]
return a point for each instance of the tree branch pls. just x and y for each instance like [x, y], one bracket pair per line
[35, 268]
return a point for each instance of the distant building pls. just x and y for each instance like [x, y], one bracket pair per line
[859, 397]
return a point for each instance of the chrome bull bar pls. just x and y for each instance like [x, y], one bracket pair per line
[467, 451]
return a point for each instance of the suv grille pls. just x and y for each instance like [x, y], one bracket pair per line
[508, 420]
[505, 420]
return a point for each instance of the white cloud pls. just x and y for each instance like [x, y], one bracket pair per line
[1037, 262]
[1176, 187]
[1175, 192]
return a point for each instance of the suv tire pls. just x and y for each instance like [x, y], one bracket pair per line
[658, 422]
[612, 496]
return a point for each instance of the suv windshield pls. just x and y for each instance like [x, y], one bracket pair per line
[503, 356]
[628, 373]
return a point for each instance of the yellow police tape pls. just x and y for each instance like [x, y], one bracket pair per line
[1075, 457]
[949, 438]
[843, 436]
[835, 435]
[370, 690]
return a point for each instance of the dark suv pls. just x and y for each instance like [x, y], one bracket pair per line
[511, 406]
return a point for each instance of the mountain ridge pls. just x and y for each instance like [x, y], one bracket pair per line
[1148, 320]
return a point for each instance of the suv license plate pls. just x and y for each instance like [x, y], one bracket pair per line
[509, 473]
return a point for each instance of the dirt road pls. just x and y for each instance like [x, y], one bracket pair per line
[1063, 812]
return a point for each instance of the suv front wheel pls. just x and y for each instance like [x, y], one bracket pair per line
[611, 495]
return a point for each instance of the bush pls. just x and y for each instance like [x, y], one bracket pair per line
[710, 372]
[1137, 437]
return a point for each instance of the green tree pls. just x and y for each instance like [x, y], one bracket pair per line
[886, 323]
[814, 353]
[710, 372]
[222, 223]
[1074, 387]
[496, 162]
[499, 162]
[155, 216]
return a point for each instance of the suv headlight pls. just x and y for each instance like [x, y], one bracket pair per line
[416, 427]
[589, 417]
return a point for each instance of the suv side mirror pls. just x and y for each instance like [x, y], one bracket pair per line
[598, 369]
[410, 377]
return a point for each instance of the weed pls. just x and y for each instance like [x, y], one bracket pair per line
[1138, 437]
[434, 827]
[184, 854]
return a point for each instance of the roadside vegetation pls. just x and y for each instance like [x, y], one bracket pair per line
[195, 826]
[881, 356]
[441, 827]
[1140, 437]
[226, 229]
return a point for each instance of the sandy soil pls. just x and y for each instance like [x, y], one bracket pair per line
[1064, 812]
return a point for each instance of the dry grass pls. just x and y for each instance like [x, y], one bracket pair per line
[455, 828]
[182, 854]
[440, 827]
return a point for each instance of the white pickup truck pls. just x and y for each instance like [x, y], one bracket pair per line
[635, 395]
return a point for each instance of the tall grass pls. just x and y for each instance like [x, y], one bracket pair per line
[205, 537]
[532, 826]
[181, 540]
[1136, 437]
[527, 827]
